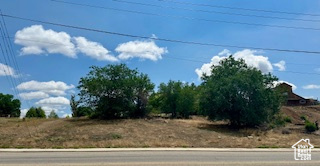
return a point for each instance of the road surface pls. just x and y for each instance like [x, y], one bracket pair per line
[156, 158]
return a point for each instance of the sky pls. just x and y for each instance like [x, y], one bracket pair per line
[51, 59]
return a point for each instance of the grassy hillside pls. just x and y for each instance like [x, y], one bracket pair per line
[156, 132]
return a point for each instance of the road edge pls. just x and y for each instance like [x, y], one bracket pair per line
[157, 149]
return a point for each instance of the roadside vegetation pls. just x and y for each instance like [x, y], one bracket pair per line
[233, 98]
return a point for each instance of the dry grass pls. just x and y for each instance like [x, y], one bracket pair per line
[195, 132]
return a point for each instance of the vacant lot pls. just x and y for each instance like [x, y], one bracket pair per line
[155, 132]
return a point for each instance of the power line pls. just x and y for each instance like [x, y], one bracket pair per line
[177, 57]
[189, 18]
[205, 58]
[212, 11]
[239, 8]
[191, 60]
[162, 39]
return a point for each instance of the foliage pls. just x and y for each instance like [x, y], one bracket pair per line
[287, 119]
[36, 113]
[310, 127]
[53, 115]
[9, 106]
[239, 93]
[83, 111]
[303, 117]
[115, 91]
[176, 98]
[74, 106]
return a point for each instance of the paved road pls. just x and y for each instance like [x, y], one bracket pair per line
[155, 158]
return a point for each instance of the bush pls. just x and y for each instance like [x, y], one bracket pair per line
[36, 113]
[310, 127]
[287, 119]
[303, 117]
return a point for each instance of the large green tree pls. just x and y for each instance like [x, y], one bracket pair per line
[239, 93]
[115, 91]
[9, 106]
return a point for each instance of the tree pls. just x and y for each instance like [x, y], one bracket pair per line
[176, 98]
[115, 91]
[53, 115]
[74, 106]
[240, 94]
[36, 113]
[9, 106]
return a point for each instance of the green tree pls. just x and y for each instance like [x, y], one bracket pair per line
[36, 113]
[84, 111]
[176, 98]
[74, 106]
[9, 106]
[115, 91]
[240, 94]
[53, 115]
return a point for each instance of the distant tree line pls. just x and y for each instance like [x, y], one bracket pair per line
[233, 91]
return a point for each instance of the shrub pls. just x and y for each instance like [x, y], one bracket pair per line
[36, 113]
[310, 127]
[287, 119]
[303, 117]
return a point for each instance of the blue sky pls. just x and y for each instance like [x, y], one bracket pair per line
[50, 72]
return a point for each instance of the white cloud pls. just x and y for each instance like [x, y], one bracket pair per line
[33, 95]
[93, 49]
[66, 115]
[51, 87]
[312, 86]
[294, 87]
[23, 113]
[249, 56]
[281, 65]
[140, 49]
[53, 101]
[36, 40]
[6, 70]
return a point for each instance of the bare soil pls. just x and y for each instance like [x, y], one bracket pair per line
[154, 132]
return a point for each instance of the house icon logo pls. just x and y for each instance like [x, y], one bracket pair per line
[302, 150]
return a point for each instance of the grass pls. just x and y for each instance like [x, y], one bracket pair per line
[144, 133]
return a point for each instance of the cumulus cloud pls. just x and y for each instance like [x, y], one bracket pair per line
[311, 86]
[294, 87]
[249, 56]
[33, 95]
[140, 49]
[93, 49]
[23, 113]
[53, 101]
[51, 87]
[36, 40]
[6, 70]
[280, 65]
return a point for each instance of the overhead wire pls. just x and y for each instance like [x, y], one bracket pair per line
[239, 8]
[213, 11]
[189, 18]
[162, 39]
[170, 57]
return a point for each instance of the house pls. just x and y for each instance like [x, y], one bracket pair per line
[302, 150]
[294, 99]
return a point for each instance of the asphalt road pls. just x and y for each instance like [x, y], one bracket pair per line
[155, 158]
